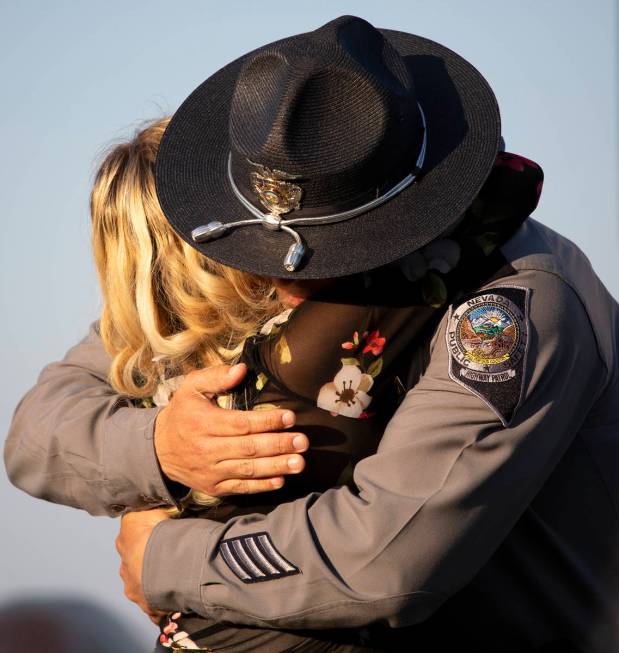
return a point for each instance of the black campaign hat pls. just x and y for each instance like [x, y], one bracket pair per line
[336, 151]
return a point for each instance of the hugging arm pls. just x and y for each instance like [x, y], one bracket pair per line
[443, 491]
[74, 440]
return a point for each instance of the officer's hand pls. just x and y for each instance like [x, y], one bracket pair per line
[220, 451]
[135, 529]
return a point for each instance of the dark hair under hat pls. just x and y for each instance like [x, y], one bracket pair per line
[335, 151]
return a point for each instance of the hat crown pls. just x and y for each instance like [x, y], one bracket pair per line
[335, 107]
[274, 147]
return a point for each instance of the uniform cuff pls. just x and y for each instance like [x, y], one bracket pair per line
[133, 476]
[174, 560]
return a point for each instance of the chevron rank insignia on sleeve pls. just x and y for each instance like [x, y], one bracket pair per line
[253, 558]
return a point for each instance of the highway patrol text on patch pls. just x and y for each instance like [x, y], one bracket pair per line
[253, 558]
[487, 338]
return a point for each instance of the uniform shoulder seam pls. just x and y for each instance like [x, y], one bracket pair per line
[584, 308]
[512, 281]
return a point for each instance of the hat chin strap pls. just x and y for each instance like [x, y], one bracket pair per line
[273, 222]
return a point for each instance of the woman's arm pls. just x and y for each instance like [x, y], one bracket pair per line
[73, 440]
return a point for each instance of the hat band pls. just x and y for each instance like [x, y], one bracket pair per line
[274, 222]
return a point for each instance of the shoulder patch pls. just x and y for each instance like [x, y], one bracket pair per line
[487, 336]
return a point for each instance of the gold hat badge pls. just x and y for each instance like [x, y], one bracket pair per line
[275, 193]
[278, 195]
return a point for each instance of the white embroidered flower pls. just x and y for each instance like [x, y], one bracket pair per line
[165, 389]
[347, 393]
[182, 640]
[267, 327]
[442, 254]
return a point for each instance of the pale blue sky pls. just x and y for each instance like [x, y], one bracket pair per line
[76, 75]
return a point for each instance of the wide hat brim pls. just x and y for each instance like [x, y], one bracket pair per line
[463, 135]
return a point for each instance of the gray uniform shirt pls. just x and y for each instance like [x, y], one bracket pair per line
[504, 528]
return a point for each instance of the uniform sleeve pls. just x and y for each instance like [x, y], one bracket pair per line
[446, 486]
[73, 440]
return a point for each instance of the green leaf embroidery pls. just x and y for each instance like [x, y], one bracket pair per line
[434, 290]
[487, 241]
[375, 368]
[351, 361]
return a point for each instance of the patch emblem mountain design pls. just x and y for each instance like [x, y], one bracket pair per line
[487, 342]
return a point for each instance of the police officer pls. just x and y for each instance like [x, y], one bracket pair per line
[487, 519]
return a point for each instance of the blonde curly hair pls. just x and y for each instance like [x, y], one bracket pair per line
[162, 299]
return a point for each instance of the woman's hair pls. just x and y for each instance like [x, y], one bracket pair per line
[161, 297]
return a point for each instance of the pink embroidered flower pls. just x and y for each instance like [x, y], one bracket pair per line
[355, 341]
[172, 627]
[374, 343]
[173, 638]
